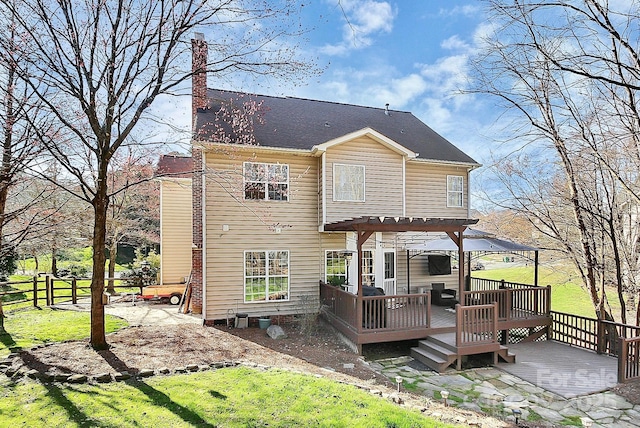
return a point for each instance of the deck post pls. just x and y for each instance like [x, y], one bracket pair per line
[600, 340]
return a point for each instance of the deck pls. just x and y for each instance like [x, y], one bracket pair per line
[562, 369]
[484, 313]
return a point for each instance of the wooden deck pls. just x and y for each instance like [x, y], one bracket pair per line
[412, 316]
[562, 369]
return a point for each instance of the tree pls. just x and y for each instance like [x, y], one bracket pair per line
[567, 71]
[98, 66]
[19, 114]
[133, 216]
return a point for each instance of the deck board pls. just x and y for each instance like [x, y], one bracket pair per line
[562, 369]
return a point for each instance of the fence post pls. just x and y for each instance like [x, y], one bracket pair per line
[47, 289]
[53, 290]
[74, 296]
[35, 291]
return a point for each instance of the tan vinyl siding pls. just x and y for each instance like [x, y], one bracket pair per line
[252, 226]
[419, 274]
[427, 190]
[383, 180]
[176, 230]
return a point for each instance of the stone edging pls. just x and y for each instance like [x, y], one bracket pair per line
[13, 367]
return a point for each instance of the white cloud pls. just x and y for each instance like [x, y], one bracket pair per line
[364, 19]
[464, 10]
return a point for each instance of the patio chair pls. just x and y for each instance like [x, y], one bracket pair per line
[440, 296]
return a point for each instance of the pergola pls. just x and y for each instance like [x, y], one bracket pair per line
[364, 227]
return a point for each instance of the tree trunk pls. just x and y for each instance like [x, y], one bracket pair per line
[113, 252]
[100, 204]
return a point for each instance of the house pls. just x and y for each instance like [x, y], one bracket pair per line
[289, 194]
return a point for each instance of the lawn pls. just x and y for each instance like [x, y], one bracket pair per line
[31, 327]
[232, 397]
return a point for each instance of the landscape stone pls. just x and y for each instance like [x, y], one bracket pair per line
[145, 372]
[276, 332]
[77, 378]
[33, 374]
[102, 378]
[122, 376]
[192, 367]
[61, 377]
[164, 370]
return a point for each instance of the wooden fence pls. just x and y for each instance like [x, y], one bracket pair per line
[51, 290]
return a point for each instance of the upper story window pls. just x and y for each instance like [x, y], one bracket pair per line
[455, 187]
[266, 181]
[348, 182]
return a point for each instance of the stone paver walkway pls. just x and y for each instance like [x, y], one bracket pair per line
[497, 393]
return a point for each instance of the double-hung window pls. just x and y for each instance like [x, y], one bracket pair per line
[266, 181]
[266, 275]
[348, 182]
[455, 191]
[335, 272]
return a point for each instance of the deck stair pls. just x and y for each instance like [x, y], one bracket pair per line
[439, 351]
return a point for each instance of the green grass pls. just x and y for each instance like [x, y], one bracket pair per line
[28, 328]
[567, 295]
[233, 397]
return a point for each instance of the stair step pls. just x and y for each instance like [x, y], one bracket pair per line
[430, 360]
[443, 340]
[436, 348]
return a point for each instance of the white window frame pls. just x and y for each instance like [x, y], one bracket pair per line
[269, 178]
[452, 192]
[368, 267]
[268, 274]
[339, 256]
[343, 195]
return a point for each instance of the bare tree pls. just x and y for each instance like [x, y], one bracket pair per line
[568, 70]
[99, 65]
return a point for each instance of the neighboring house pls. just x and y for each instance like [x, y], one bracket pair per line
[275, 216]
[174, 174]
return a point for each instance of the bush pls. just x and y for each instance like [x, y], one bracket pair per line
[8, 260]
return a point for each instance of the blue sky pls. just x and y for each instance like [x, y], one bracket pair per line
[411, 54]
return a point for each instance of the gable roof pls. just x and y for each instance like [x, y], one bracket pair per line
[175, 166]
[303, 124]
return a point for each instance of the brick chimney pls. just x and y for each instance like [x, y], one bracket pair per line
[199, 79]
[198, 101]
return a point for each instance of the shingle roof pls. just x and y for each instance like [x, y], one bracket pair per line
[174, 166]
[298, 123]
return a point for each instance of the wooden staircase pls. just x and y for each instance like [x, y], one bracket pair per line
[439, 352]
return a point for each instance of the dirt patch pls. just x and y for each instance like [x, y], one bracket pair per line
[629, 390]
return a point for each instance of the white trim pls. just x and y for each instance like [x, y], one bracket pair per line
[467, 165]
[365, 132]
[244, 275]
[267, 181]
[203, 251]
[364, 182]
[346, 274]
[209, 146]
[461, 191]
[324, 189]
[404, 187]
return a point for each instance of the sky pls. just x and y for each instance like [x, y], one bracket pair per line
[411, 54]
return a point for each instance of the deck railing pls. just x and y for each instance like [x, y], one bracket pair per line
[400, 312]
[512, 303]
[629, 359]
[379, 313]
[476, 325]
[340, 303]
[481, 284]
